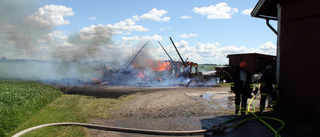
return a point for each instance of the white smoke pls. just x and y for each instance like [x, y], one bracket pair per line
[26, 33]
[24, 30]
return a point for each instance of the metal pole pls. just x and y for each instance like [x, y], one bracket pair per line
[136, 55]
[128, 61]
[184, 64]
[169, 57]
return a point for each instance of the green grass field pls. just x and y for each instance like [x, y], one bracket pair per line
[70, 108]
[20, 100]
[27, 104]
[206, 67]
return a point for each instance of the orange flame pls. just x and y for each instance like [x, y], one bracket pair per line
[158, 79]
[96, 81]
[140, 75]
[161, 66]
[154, 65]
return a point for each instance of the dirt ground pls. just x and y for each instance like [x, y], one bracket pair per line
[181, 109]
[162, 108]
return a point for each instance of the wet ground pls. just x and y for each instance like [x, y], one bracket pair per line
[215, 99]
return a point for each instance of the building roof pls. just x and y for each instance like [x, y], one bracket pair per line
[250, 54]
[266, 9]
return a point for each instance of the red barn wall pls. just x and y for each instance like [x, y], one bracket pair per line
[300, 55]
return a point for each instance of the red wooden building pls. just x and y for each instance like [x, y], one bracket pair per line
[256, 63]
[298, 50]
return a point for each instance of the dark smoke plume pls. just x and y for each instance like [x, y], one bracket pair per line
[86, 45]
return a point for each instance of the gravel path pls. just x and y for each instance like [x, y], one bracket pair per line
[177, 108]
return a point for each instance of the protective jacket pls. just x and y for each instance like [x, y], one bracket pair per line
[268, 83]
[237, 85]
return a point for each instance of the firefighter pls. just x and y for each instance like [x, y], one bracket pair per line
[221, 75]
[268, 86]
[242, 86]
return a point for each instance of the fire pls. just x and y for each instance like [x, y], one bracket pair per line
[158, 79]
[143, 69]
[140, 75]
[154, 65]
[161, 66]
[96, 81]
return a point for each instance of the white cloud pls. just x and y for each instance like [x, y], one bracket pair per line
[126, 26]
[183, 47]
[247, 11]
[144, 38]
[218, 11]
[54, 37]
[188, 35]
[268, 48]
[214, 52]
[155, 15]
[162, 29]
[92, 18]
[186, 17]
[136, 18]
[133, 38]
[64, 44]
[50, 15]
[206, 50]
[37, 22]
[164, 19]
[154, 37]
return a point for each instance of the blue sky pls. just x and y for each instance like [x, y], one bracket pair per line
[205, 31]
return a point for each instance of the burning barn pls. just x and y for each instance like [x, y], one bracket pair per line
[140, 70]
[155, 73]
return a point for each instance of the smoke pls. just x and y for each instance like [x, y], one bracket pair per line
[24, 27]
[15, 33]
[87, 44]
[26, 33]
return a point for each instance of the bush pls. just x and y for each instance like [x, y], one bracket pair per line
[19, 100]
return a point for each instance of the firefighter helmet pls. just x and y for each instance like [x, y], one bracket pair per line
[243, 64]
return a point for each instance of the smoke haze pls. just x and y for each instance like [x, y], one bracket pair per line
[26, 32]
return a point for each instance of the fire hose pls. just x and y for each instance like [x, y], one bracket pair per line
[112, 128]
[220, 128]
[215, 129]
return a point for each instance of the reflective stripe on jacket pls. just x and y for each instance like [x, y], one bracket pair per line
[268, 83]
[237, 84]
